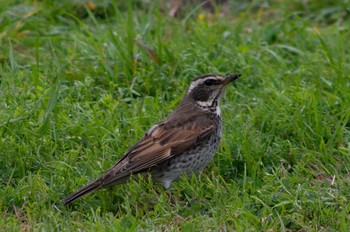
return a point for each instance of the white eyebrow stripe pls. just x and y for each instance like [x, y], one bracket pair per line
[194, 84]
[199, 81]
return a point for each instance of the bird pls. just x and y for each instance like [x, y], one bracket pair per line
[182, 144]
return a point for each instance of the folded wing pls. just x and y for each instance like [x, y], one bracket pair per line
[158, 145]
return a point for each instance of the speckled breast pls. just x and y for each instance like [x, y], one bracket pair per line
[189, 162]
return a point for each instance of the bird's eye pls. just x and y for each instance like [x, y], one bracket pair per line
[209, 82]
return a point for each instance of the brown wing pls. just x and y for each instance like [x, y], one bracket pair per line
[159, 144]
[183, 129]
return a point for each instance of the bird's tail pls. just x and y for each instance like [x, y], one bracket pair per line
[81, 192]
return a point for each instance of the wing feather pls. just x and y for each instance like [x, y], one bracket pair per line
[159, 144]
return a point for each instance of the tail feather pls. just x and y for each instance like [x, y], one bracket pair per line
[81, 192]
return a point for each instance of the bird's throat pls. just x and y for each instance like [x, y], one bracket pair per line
[209, 106]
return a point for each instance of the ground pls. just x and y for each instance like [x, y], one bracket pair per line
[80, 82]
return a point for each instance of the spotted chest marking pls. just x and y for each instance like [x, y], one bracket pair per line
[189, 162]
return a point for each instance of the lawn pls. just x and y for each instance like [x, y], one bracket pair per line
[81, 83]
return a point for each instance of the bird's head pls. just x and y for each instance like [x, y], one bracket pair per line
[207, 90]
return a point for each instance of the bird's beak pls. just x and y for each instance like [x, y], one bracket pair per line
[231, 78]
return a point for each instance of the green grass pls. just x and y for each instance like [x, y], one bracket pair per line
[76, 91]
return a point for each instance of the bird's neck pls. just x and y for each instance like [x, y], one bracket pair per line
[205, 107]
[213, 108]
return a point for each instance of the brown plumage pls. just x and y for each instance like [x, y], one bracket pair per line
[182, 143]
